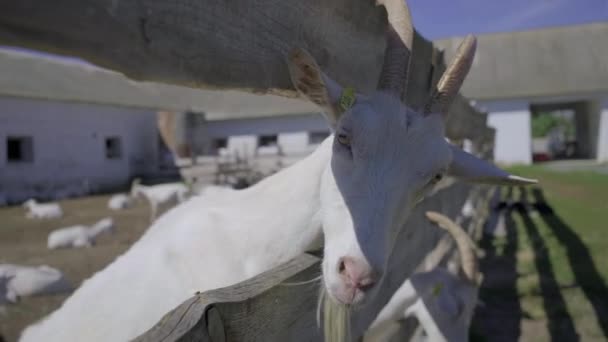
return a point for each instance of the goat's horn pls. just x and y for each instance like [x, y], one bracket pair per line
[166, 127]
[399, 42]
[451, 80]
[465, 245]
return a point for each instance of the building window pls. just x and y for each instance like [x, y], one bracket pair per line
[220, 143]
[19, 149]
[315, 138]
[113, 148]
[267, 140]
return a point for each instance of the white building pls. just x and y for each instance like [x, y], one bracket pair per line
[515, 75]
[68, 128]
[56, 149]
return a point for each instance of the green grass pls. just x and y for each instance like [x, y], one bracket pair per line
[566, 251]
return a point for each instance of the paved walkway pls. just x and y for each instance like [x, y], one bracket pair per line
[576, 165]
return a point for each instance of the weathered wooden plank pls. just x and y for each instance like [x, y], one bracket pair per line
[205, 43]
[237, 44]
[259, 309]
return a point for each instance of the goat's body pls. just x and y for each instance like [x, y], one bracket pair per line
[119, 201]
[45, 210]
[80, 235]
[22, 281]
[161, 194]
[204, 243]
[74, 236]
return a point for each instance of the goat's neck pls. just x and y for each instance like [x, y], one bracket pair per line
[291, 201]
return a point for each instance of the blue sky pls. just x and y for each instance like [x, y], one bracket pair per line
[446, 18]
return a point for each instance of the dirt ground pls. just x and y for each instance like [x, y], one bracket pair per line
[23, 241]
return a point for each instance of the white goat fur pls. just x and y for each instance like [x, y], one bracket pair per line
[202, 244]
[23, 281]
[119, 202]
[42, 210]
[79, 236]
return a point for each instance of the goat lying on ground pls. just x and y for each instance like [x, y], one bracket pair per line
[354, 193]
[42, 210]
[161, 194]
[119, 202]
[23, 281]
[443, 303]
[79, 236]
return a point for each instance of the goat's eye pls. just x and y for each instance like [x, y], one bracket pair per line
[437, 178]
[344, 139]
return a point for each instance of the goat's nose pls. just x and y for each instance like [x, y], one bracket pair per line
[357, 274]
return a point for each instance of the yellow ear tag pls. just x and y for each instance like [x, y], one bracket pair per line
[347, 99]
[437, 289]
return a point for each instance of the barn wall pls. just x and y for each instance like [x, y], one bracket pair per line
[292, 132]
[69, 152]
[513, 136]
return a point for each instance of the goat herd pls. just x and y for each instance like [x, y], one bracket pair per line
[21, 281]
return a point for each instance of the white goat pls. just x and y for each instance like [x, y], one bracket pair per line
[6, 295]
[119, 202]
[442, 302]
[160, 194]
[355, 193]
[23, 281]
[79, 236]
[42, 210]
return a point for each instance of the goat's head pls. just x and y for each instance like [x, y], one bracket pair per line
[29, 203]
[134, 193]
[385, 157]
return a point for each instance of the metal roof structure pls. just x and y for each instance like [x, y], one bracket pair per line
[551, 62]
[28, 75]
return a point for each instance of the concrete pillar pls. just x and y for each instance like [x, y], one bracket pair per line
[602, 134]
[513, 142]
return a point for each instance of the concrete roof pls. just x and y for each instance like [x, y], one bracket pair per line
[28, 75]
[550, 62]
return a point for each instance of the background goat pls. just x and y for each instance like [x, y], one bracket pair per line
[79, 236]
[161, 194]
[42, 210]
[443, 303]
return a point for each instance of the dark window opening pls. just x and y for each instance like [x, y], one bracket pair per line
[113, 148]
[19, 149]
[267, 140]
[220, 143]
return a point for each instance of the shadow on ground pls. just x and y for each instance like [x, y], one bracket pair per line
[501, 315]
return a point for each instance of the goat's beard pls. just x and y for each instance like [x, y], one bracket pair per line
[336, 318]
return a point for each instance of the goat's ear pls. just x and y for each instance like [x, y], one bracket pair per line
[467, 167]
[317, 87]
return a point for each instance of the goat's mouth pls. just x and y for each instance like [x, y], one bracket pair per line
[346, 295]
